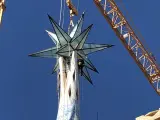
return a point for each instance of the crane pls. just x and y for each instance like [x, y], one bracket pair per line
[2, 8]
[143, 58]
[73, 12]
[72, 8]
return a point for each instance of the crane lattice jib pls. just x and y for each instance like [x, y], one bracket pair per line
[130, 40]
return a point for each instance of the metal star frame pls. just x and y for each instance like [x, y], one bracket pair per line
[67, 43]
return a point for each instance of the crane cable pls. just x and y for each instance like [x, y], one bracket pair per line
[64, 7]
[60, 14]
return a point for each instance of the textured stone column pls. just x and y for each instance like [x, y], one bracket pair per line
[68, 108]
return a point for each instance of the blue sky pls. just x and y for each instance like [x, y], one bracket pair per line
[27, 88]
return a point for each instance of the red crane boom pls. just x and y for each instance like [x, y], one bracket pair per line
[131, 41]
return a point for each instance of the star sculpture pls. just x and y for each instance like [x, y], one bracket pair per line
[67, 43]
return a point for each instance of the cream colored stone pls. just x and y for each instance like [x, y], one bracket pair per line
[2, 8]
[154, 115]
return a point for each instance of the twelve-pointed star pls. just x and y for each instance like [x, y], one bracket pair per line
[65, 44]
